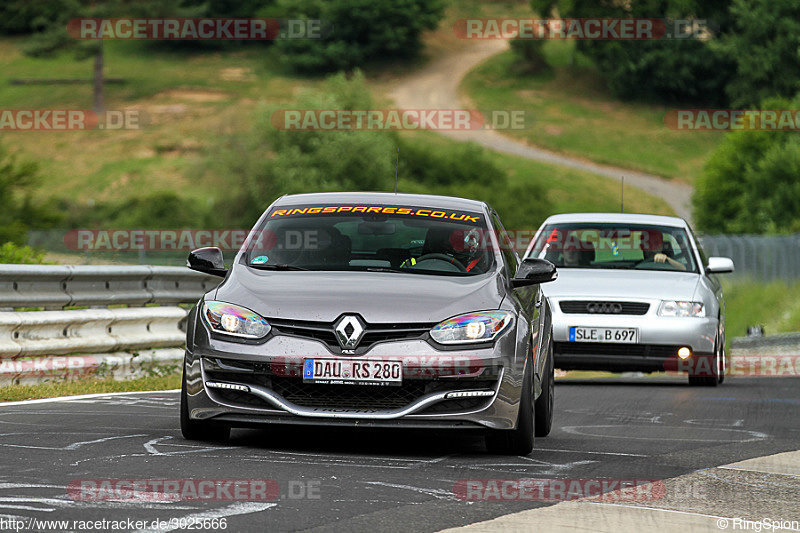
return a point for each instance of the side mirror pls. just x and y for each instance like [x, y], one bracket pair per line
[208, 260]
[533, 271]
[719, 265]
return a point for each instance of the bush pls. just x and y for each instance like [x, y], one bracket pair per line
[358, 31]
[158, 210]
[18, 210]
[11, 253]
[672, 71]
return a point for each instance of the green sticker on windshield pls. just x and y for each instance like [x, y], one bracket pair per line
[260, 260]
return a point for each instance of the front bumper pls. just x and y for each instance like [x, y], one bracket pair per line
[275, 391]
[657, 347]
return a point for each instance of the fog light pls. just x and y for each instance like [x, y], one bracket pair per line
[229, 386]
[684, 352]
[469, 394]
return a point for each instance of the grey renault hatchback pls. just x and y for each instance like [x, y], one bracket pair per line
[373, 310]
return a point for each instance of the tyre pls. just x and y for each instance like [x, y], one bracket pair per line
[543, 408]
[197, 430]
[517, 441]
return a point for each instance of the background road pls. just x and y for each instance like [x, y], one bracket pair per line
[436, 87]
[630, 428]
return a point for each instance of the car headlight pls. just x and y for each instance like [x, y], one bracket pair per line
[678, 308]
[234, 320]
[483, 326]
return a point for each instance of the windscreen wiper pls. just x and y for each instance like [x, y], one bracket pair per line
[385, 269]
[277, 267]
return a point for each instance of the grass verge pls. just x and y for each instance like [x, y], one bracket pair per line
[88, 386]
[775, 305]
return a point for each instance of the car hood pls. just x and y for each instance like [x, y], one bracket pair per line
[595, 283]
[379, 297]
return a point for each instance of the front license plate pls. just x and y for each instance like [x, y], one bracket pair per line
[352, 372]
[621, 335]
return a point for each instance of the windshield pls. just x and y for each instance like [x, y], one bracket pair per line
[619, 246]
[406, 239]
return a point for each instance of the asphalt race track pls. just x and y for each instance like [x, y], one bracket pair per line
[371, 481]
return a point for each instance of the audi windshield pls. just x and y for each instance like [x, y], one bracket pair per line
[628, 246]
[409, 239]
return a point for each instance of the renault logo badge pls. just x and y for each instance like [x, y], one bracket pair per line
[349, 331]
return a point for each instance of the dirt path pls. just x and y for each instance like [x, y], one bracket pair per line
[436, 87]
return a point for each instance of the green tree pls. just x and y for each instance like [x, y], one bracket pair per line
[665, 70]
[749, 184]
[530, 50]
[765, 46]
[358, 32]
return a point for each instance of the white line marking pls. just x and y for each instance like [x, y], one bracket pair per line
[657, 509]
[592, 452]
[757, 471]
[231, 510]
[440, 494]
[27, 508]
[81, 397]
[29, 486]
[576, 430]
[51, 501]
[149, 446]
[76, 445]
[73, 446]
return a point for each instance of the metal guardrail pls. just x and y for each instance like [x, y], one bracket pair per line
[59, 286]
[780, 344]
[41, 345]
[759, 257]
[45, 333]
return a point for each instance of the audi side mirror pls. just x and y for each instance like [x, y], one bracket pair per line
[533, 271]
[207, 260]
[719, 265]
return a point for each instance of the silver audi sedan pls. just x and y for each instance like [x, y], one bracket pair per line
[634, 293]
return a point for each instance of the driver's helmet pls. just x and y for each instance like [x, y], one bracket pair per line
[652, 242]
[466, 245]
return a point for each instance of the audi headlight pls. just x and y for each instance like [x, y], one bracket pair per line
[678, 308]
[483, 326]
[234, 320]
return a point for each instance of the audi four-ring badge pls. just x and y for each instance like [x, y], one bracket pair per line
[373, 310]
[635, 293]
